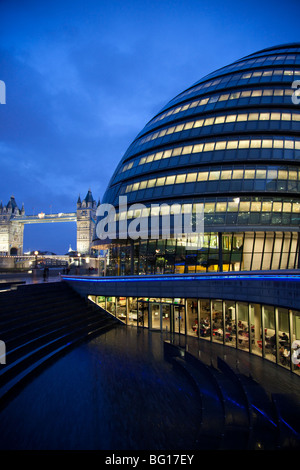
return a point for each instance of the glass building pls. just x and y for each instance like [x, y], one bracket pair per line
[230, 143]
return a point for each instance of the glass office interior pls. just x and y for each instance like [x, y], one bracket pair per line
[244, 251]
[267, 331]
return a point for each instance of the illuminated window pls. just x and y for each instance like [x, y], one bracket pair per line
[249, 174]
[244, 144]
[180, 179]
[220, 120]
[267, 143]
[231, 118]
[135, 186]
[296, 207]
[143, 185]
[202, 176]
[160, 181]
[264, 116]
[261, 174]
[221, 206]
[255, 144]
[224, 97]
[277, 206]
[293, 174]
[278, 144]
[187, 149]
[158, 156]
[151, 183]
[255, 206]
[176, 151]
[220, 145]
[209, 121]
[209, 146]
[167, 154]
[244, 206]
[209, 207]
[242, 117]
[237, 174]
[197, 148]
[253, 117]
[288, 144]
[199, 123]
[232, 145]
[170, 180]
[282, 174]
[287, 207]
[226, 174]
[191, 177]
[188, 125]
[266, 206]
[214, 175]
[232, 206]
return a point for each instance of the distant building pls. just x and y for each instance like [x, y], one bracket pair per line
[11, 231]
[86, 217]
[12, 220]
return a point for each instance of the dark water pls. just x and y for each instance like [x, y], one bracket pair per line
[116, 392]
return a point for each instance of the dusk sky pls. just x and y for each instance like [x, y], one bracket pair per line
[84, 77]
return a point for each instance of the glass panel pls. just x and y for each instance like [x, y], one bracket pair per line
[111, 305]
[268, 250]
[217, 321]
[166, 315]
[230, 323]
[179, 316]
[284, 345]
[142, 314]
[192, 317]
[155, 315]
[242, 326]
[204, 322]
[256, 329]
[269, 333]
[247, 251]
[257, 252]
[277, 251]
[132, 310]
[121, 308]
[295, 341]
[101, 301]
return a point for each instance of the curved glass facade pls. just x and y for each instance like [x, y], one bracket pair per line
[264, 330]
[231, 143]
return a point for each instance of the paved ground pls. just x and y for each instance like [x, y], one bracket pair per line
[118, 392]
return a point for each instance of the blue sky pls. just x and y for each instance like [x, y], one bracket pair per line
[84, 77]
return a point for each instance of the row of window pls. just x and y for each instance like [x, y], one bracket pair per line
[225, 119]
[264, 60]
[224, 97]
[215, 175]
[235, 205]
[268, 73]
[213, 146]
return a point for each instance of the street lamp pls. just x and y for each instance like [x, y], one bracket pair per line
[36, 255]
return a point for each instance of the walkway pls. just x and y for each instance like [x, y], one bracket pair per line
[118, 392]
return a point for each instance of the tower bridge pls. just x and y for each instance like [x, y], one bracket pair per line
[13, 219]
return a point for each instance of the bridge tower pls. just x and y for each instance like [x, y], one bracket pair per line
[86, 218]
[11, 230]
